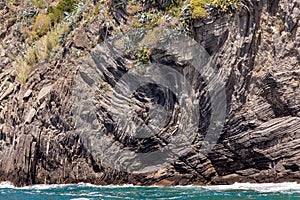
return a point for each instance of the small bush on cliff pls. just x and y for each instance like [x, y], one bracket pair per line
[31, 57]
[175, 7]
[42, 24]
[225, 5]
[39, 52]
[57, 13]
[200, 7]
[141, 55]
[45, 45]
[22, 70]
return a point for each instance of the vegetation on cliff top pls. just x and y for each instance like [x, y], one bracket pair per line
[57, 13]
[45, 33]
[200, 8]
[50, 20]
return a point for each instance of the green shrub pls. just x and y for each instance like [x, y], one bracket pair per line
[199, 8]
[57, 13]
[143, 55]
[175, 7]
[225, 5]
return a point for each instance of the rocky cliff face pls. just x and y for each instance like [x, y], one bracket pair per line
[255, 54]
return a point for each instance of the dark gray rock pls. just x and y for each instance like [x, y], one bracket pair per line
[255, 53]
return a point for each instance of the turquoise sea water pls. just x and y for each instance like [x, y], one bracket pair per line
[83, 191]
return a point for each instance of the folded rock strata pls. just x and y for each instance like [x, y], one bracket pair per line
[255, 54]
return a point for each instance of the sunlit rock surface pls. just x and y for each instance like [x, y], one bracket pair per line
[255, 53]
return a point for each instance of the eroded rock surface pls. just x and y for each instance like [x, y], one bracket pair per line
[255, 53]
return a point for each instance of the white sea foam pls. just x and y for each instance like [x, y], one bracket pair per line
[260, 187]
[46, 186]
[6, 184]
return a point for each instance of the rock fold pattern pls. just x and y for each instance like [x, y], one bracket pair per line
[256, 53]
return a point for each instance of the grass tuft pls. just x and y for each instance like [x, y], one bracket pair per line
[39, 52]
[22, 70]
[42, 24]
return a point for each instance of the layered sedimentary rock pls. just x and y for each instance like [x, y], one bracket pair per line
[254, 54]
